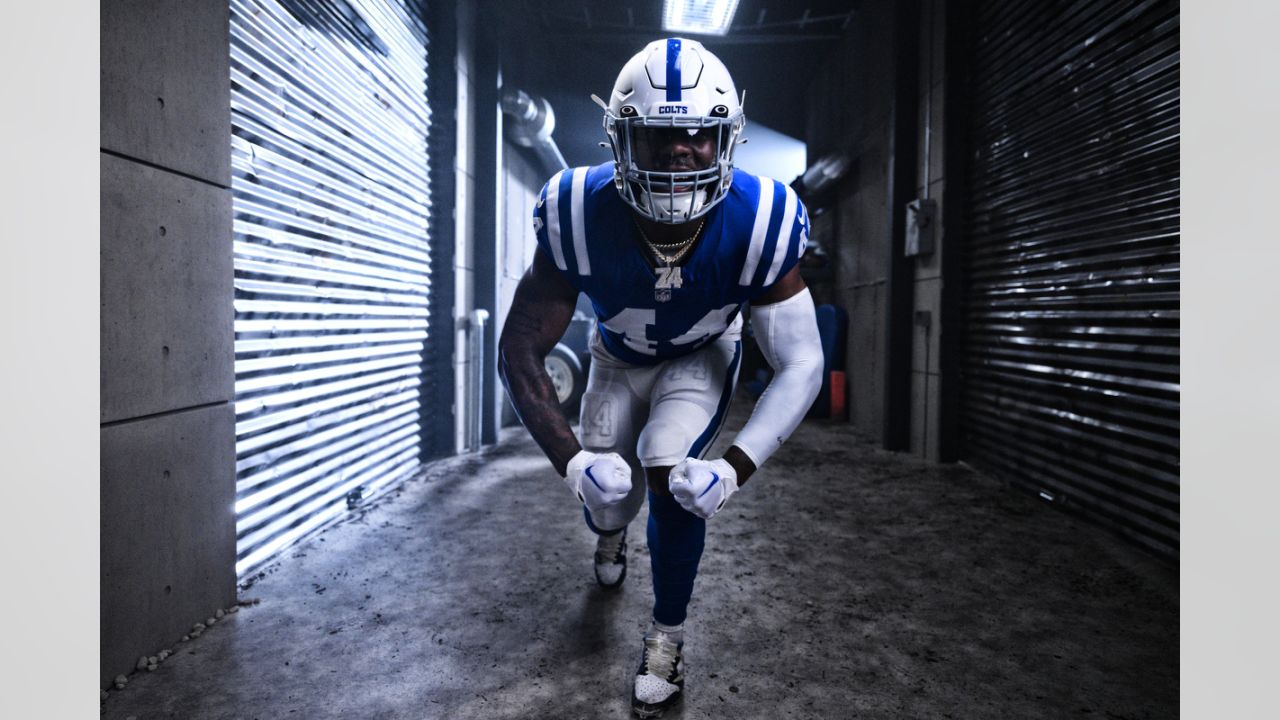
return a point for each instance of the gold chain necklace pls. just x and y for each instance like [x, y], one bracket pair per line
[668, 275]
[683, 245]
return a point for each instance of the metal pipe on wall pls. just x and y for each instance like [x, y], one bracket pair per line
[475, 377]
[532, 122]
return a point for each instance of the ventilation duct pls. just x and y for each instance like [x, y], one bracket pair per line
[532, 122]
[823, 174]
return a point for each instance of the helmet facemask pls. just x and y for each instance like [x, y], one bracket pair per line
[653, 183]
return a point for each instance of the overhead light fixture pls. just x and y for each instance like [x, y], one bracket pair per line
[698, 17]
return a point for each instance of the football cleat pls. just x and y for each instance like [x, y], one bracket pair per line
[660, 679]
[611, 559]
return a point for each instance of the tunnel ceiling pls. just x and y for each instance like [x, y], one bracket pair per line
[565, 50]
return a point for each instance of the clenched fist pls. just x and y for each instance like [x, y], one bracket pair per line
[599, 480]
[702, 487]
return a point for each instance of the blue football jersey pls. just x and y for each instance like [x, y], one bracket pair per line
[752, 237]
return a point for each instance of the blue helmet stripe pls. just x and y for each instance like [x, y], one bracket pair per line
[673, 70]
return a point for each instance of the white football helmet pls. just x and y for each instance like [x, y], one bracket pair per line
[673, 93]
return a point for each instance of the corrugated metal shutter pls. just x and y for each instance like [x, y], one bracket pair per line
[1070, 360]
[332, 258]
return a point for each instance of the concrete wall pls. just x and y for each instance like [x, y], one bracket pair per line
[479, 228]
[167, 424]
[521, 181]
[464, 217]
[854, 108]
[928, 276]
[851, 111]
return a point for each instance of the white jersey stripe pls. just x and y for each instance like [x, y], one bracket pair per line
[758, 232]
[579, 189]
[553, 220]
[784, 236]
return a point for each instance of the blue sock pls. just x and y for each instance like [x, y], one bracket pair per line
[676, 538]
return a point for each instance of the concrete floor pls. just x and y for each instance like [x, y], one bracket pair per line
[842, 582]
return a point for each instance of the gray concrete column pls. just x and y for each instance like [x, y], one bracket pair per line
[167, 478]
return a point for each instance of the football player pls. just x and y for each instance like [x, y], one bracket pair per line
[669, 243]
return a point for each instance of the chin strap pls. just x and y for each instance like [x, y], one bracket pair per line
[695, 206]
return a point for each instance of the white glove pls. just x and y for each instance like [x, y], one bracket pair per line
[703, 487]
[599, 481]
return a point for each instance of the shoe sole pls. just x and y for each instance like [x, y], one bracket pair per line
[623, 576]
[616, 585]
[652, 710]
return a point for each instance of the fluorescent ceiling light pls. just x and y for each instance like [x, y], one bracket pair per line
[700, 17]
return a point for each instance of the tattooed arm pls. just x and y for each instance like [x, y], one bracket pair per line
[540, 313]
